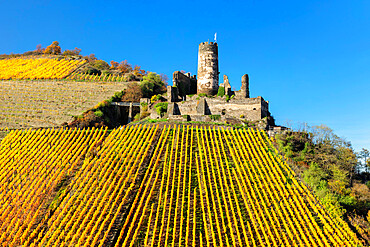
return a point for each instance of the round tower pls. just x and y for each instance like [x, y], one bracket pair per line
[208, 68]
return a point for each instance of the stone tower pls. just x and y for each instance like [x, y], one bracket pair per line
[208, 68]
[245, 86]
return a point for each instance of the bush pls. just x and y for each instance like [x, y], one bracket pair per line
[101, 64]
[368, 185]
[221, 91]
[215, 117]
[117, 96]
[93, 71]
[99, 113]
[129, 77]
[154, 99]
[161, 108]
[137, 117]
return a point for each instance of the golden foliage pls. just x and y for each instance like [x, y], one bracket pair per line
[37, 68]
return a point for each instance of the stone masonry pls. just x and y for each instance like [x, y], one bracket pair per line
[245, 86]
[185, 83]
[183, 103]
[208, 68]
[227, 85]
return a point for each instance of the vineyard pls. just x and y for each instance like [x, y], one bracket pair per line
[37, 68]
[49, 103]
[151, 186]
[101, 78]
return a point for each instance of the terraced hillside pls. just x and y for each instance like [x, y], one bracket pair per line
[151, 186]
[49, 103]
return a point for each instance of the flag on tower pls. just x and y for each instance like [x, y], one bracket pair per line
[216, 37]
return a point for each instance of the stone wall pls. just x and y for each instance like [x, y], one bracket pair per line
[173, 94]
[251, 109]
[185, 83]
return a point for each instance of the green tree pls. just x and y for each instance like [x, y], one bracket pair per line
[152, 84]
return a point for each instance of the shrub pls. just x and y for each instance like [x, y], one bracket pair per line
[93, 71]
[161, 108]
[144, 114]
[144, 106]
[202, 95]
[154, 99]
[221, 91]
[106, 72]
[101, 64]
[215, 117]
[137, 117]
[368, 185]
[129, 77]
[99, 113]
[117, 96]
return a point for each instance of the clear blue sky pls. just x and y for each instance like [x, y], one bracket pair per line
[310, 59]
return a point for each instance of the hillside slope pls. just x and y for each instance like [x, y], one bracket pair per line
[49, 103]
[151, 186]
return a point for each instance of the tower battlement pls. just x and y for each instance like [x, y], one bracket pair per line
[208, 43]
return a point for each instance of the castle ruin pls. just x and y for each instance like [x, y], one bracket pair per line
[203, 98]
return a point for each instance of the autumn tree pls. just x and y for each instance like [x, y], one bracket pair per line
[114, 64]
[39, 48]
[74, 52]
[54, 48]
[124, 67]
[133, 92]
[138, 71]
[164, 78]
[91, 58]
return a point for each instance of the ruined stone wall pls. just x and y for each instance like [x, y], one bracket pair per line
[227, 85]
[208, 68]
[251, 108]
[185, 83]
